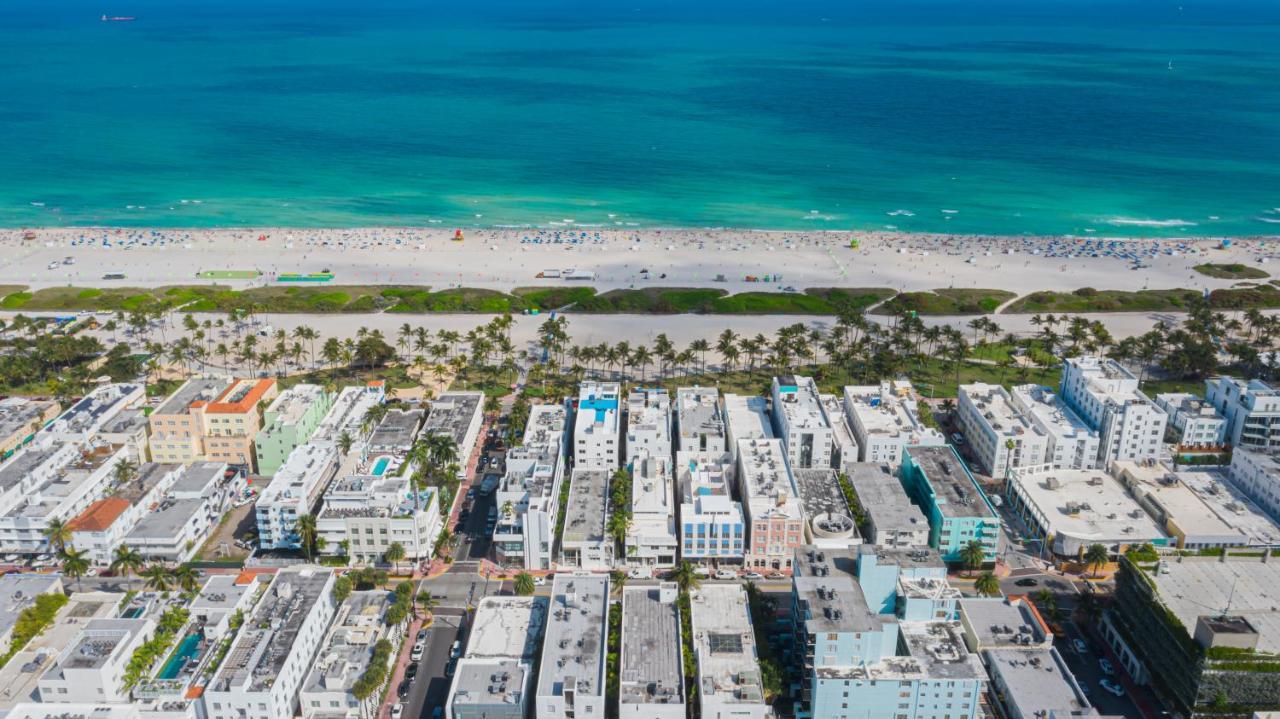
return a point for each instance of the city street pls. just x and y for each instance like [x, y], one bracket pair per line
[1088, 672]
[431, 687]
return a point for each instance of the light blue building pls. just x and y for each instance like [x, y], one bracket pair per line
[861, 663]
[939, 482]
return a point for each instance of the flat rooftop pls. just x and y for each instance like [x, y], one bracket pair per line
[166, 521]
[270, 633]
[348, 649]
[1245, 586]
[220, 593]
[905, 557]
[1161, 487]
[1086, 504]
[93, 409]
[798, 397]
[747, 416]
[301, 469]
[347, 412]
[192, 391]
[935, 651]
[824, 582]
[650, 670]
[60, 477]
[996, 407]
[508, 628]
[1037, 680]
[765, 479]
[396, 431]
[956, 492]
[98, 643]
[452, 414]
[598, 408]
[820, 493]
[19, 591]
[584, 515]
[698, 412]
[884, 500]
[573, 652]
[17, 414]
[289, 406]
[490, 682]
[1048, 410]
[197, 476]
[887, 409]
[1004, 624]
[725, 645]
[1232, 505]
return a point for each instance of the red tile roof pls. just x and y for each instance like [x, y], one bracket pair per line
[100, 515]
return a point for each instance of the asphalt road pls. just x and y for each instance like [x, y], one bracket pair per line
[473, 540]
[1088, 673]
[430, 687]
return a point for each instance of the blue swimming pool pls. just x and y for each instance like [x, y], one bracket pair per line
[380, 466]
[187, 651]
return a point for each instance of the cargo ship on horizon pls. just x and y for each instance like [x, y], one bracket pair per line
[118, 18]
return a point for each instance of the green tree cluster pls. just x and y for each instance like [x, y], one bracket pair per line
[31, 621]
[155, 648]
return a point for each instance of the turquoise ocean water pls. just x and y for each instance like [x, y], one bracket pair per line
[1138, 117]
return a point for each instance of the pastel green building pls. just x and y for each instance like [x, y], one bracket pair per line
[939, 482]
[289, 422]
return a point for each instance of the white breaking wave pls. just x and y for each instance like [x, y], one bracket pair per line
[1269, 220]
[1134, 222]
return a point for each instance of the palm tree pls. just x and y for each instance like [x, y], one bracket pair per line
[524, 584]
[74, 564]
[306, 529]
[187, 577]
[395, 553]
[159, 578]
[1096, 557]
[987, 585]
[126, 561]
[426, 602]
[972, 555]
[123, 471]
[345, 442]
[1048, 603]
[58, 533]
[686, 576]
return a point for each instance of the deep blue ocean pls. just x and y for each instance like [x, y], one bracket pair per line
[1142, 117]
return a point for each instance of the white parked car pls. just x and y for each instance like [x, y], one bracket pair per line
[1080, 645]
[418, 649]
[1112, 687]
[753, 576]
[397, 710]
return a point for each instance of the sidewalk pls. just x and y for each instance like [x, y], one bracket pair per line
[397, 672]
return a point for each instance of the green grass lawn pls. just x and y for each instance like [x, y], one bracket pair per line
[1088, 299]
[948, 301]
[678, 300]
[229, 274]
[1231, 271]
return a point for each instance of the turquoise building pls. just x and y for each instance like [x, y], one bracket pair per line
[940, 483]
[288, 422]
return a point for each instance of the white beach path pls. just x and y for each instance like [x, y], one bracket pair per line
[505, 259]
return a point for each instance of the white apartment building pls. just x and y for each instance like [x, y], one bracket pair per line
[1252, 410]
[345, 655]
[699, 421]
[177, 526]
[459, 416]
[775, 522]
[1072, 443]
[745, 417]
[346, 416]
[369, 513]
[531, 489]
[262, 674]
[651, 682]
[1129, 425]
[844, 446]
[1195, 422]
[651, 538]
[100, 528]
[801, 423]
[494, 677]
[83, 420]
[50, 479]
[724, 645]
[597, 440]
[293, 492]
[91, 668]
[571, 680]
[1001, 435]
[584, 543]
[712, 523]
[648, 424]
[1257, 474]
[886, 420]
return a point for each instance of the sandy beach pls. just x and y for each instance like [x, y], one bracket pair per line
[507, 258]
